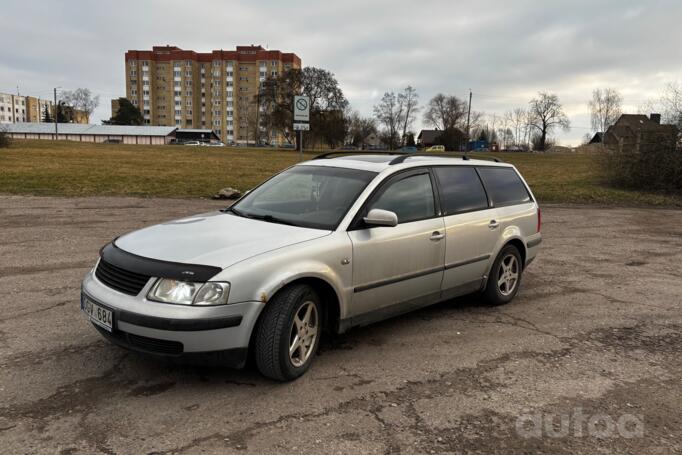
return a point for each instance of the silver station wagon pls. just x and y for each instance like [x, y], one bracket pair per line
[325, 245]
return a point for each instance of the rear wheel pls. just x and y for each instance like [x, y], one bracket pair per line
[288, 333]
[505, 277]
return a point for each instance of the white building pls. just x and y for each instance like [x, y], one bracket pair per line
[119, 134]
[12, 108]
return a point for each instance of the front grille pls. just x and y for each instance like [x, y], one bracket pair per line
[130, 283]
[144, 344]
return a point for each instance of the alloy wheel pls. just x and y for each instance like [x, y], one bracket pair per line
[303, 334]
[508, 274]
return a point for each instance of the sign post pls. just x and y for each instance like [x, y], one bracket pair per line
[301, 120]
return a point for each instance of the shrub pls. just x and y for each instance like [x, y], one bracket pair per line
[653, 166]
[5, 140]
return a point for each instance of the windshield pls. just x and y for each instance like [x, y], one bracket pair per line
[309, 196]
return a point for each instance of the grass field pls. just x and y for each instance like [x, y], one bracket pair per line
[83, 169]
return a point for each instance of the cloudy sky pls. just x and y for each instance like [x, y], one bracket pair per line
[504, 51]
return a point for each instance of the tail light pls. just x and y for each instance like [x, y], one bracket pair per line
[539, 219]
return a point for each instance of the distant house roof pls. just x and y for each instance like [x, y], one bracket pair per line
[597, 138]
[97, 130]
[428, 136]
[634, 128]
[635, 120]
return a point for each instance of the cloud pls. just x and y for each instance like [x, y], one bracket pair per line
[505, 52]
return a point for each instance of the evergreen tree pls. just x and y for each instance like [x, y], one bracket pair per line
[64, 113]
[47, 117]
[127, 114]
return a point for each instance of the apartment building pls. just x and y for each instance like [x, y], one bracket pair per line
[20, 109]
[35, 109]
[216, 90]
[12, 108]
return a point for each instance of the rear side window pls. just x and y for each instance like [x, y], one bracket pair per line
[410, 198]
[460, 189]
[504, 186]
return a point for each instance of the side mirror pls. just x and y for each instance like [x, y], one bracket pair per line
[379, 217]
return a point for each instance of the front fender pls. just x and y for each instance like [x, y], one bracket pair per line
[306, 270]
[261, 277]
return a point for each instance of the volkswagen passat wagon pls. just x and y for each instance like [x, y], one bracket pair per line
[328, 244]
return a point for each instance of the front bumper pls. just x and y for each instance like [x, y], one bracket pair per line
[168, 329]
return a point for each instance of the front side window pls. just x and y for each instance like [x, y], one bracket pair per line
[410, 198]
[504, 186]
[308, 196]
[460, 189]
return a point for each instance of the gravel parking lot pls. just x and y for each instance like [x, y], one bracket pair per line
[586, 359]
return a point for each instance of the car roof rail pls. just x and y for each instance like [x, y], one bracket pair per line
[331, 154]
[465, 157]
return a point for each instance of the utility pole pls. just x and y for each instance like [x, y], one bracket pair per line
[466, 148]
[56, 114]
[257, 138]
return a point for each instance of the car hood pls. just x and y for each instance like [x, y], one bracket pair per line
[217, 239]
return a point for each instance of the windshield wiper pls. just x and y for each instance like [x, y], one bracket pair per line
[270, 219]
[267, 218]
[232, 210]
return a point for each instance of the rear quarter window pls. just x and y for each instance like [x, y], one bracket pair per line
[460, 189]
[504, 186]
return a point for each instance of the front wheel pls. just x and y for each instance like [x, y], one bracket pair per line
[505, 277]
[288, 333]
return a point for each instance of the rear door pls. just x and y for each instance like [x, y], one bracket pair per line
[472, 230]
[515, 207]
[396, 269]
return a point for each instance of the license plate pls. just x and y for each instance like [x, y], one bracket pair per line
[98, 314]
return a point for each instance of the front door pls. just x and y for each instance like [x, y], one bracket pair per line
[396, 269]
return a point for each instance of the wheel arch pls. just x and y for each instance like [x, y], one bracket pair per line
[518, 243]
[329, 297]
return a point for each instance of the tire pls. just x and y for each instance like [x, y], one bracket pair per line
[281, 324]
[498, 290]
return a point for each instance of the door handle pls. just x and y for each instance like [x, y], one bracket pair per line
[436, 236]
[493, 224]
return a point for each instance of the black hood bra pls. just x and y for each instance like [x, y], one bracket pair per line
[113, 255]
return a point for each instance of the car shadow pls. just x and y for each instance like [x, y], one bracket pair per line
[201, 371]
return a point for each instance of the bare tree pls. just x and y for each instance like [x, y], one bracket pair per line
[671, 104]
[528, 128]
[476, 124]
[546, 114]
[389, 113]
[605, 108]
[326, 96]
[445, 112]
[516, 118]
[504, 131]
[81, 99]
[360, 129]
[246, 118]
[408, 101]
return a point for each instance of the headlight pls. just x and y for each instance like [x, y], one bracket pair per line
[188, 293]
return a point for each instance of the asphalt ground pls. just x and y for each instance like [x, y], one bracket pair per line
[586, 359]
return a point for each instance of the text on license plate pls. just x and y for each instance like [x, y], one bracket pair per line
[99, 315]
